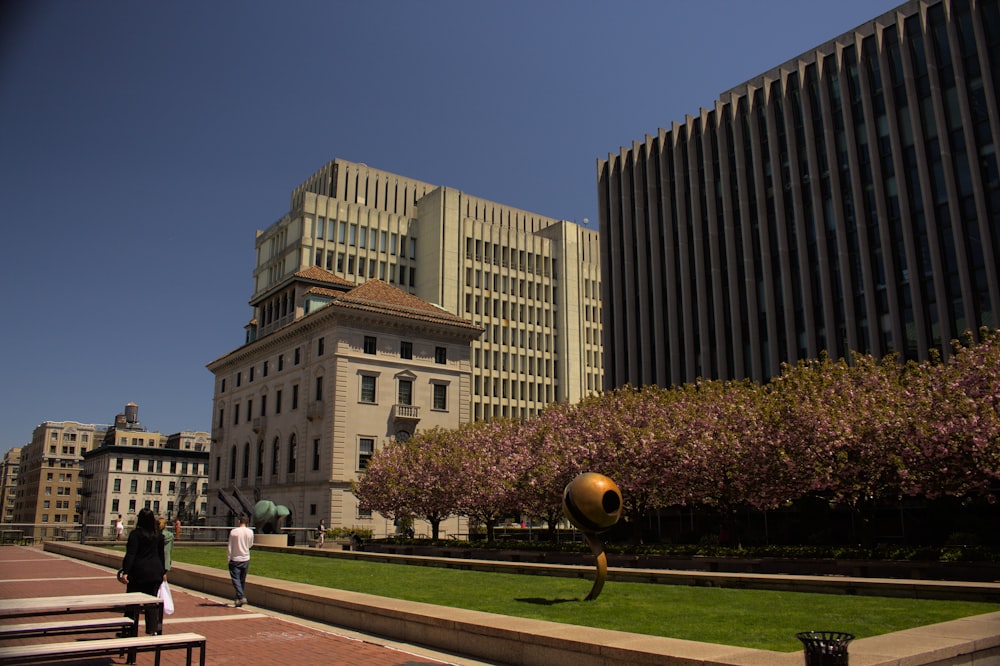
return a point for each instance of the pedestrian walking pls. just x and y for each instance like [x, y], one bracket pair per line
[321, 534]
[119, 527]
[238, 552]
[143, 566]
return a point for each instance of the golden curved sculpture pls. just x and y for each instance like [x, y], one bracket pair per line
[593, 503]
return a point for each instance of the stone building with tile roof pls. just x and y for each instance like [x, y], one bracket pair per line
[329, 372]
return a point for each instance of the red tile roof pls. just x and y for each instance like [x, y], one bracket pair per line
[317, 274]
[379, 296]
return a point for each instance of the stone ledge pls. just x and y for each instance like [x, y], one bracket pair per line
[511, 640]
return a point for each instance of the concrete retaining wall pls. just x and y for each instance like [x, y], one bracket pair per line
[508, 640]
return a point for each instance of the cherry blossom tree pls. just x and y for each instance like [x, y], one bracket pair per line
[420, 478]
[956, 424]
[490, 460]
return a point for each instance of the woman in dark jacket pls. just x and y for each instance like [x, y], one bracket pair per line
[143, 568]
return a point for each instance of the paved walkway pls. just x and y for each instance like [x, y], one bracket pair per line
[244, 636]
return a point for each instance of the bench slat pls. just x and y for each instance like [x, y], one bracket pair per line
[8, 631]
[27, 654]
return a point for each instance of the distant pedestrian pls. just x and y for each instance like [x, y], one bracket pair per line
[119, 528]
[168, 545]
[321, 534]
[177, 529]
[238, 552]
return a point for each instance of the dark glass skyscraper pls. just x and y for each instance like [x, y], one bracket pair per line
[848, 199]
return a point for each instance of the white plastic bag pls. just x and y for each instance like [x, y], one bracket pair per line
[168, 600]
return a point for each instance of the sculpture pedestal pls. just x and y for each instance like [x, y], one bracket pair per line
[280, 540]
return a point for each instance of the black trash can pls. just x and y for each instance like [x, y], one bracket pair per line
[825, 648]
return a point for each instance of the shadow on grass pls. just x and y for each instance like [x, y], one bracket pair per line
[544, 602]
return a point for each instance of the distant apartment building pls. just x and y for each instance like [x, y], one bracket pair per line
[132, 469]
[9, 469]
[74, 473]
[848, 199]
[330, 372]
[48, 487]
[531, 282]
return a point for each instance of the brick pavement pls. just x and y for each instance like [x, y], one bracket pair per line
[246, 636]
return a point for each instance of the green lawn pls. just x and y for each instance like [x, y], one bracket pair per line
[750, 618]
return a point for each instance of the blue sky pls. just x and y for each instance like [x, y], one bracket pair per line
[143, 143]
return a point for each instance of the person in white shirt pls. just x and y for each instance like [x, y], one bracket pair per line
[238, 552]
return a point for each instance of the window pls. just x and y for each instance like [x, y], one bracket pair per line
[366, 446]
[264, 369]
[441, 355]
[319, 346]
[295, 396]
[291, 454]
[135, 465]
[370, 343]
[296, 356]
[315, 455]
[275, 453]
[114, 505]
[246, 460]
[260, 457]
[319, 388]
[133, 486]
[232, 463]
[281, 362]
[149, 486]
[249, 410]
[239, 378]
[405, 392]
[252, 368]
[368, 389]
[405, 349]
[440, 396]
[236, 414]
[277, 402]
[118, 464]
[118, 485]
[263, 405]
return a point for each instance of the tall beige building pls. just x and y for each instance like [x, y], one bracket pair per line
[47, 494]
[531, 282]
[331, 372]
[9, 469]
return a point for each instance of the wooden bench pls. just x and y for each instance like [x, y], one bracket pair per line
[70, 626]
[103, 647]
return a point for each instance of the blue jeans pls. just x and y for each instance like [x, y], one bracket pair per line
[238, 572]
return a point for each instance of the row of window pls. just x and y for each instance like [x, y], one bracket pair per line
[355, 235]
[404, 391]
[156, 466]
[68, 436]
[505, 388]
[291, 459]
[501, 255]
[156, 487]
[349, 264]
[528, 289]
[265, 367]
[366, 447]
[370, 346]
[494, 307]
[154, 506]
[511, 362]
